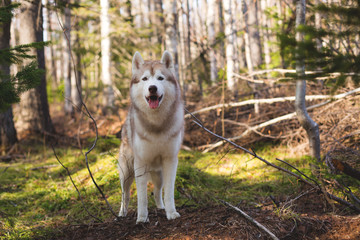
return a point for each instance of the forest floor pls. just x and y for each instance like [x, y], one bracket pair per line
[37, 200]
[219, 222]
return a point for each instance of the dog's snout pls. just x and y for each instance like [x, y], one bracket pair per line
[152, 89]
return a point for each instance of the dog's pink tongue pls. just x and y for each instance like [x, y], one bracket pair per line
[154, 103]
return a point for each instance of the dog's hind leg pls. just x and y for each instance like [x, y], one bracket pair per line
[157, 180]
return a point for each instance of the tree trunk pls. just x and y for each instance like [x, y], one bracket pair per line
[311, 127]
[219, 27]
[7, 128]
[171, 30]
[230, 41]
[108, 97]
[253, 31]
[158, 21]
[76, 74]
[181, 45]
[51, 57]
[211, 39]
[34, 114]
[266, 39]
[68, 107]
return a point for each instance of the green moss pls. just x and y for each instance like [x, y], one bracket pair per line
[36, 193]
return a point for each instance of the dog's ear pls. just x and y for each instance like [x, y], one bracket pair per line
[137, 62]
[167, 59]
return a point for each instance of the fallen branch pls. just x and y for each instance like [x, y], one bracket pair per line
[265, 124]
[333, 197]
[272, 100]
[251, 220]
[279, 70]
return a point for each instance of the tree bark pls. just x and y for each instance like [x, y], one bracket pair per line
[311, 127]
[230, 40]
[181, 43]
[68, 107]
[219, 27]
[34, 114]
[265, 30]
[251, 19]
[51, 57]
[170, 13]
[76, 74]
[211, 39]
[108, 97]
[7, 128]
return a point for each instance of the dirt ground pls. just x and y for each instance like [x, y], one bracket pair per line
[311, 218]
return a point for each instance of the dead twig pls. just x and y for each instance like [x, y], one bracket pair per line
[251, 220]
[87, 112]
[264, 124]
[73, 183]
[333, 197]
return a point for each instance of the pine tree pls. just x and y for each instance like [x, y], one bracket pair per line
[11, 86]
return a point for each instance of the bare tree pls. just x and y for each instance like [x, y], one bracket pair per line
[51, 55]
[265, 33]
[66, 43]
[253, 31]
[230, 41]
[108, 97]
[211, 38]
[170, 13]
[34, 114]
[311, 127]
[76, 74]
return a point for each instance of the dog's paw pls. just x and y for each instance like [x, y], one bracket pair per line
[142, 220]
[172, 215]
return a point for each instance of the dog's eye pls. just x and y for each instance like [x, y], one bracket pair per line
[160, 78]
[144, 78]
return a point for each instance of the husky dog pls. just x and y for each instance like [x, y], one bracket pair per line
[152, 135]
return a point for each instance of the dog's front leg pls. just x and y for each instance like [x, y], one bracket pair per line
[141, 178]
[169, 169]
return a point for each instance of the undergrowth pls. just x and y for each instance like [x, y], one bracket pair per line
[37, 197]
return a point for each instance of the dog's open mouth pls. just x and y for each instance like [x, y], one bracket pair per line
[154, 101]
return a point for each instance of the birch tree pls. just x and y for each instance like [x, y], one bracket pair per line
[252, 36]
[66, 43]
[212, 5]
[230, 41]
[108, 95]
[170, 13]
[76, 74]
[311, 127]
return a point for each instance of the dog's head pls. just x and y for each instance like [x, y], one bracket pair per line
[153, 82]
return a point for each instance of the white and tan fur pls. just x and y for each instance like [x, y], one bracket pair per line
[152, 135]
